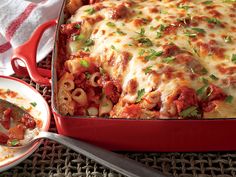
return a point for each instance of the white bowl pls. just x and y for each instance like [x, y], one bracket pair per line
[29, 93]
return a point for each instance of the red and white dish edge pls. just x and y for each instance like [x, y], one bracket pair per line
[30, 94]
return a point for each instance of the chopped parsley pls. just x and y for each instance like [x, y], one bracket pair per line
[33, 104]
[118, 31]
[77, 26]
[228, 39]
[213, 20]
[199, 30]
[141, 52]
[202, 90]
[148, 69]
[84, 63]
[233, 58]
[159, 34]
[142, 32]
[90, 11]
[207, 2]
[110, 24]
[146, 42]
[213, 77]
[86, 49]
[140, 95]
[204, 80]
[105, 105]
[78, 37]
[152, 28]
[101, 70]
[190, 34]
[168, 59]
[15, 142]
[229, 0]
[22, 107]
[181, 6]
[89, 42]
[191, 111]
[162, 27]
[87, 75]
[229, 99]
[113, 47]
[153, 54]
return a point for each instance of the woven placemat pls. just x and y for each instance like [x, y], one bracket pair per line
[55, 160]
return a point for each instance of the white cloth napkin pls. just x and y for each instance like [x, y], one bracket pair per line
[18, 20]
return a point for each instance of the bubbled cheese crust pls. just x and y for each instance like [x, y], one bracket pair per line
[205, 32]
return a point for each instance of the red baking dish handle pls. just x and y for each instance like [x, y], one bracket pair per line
[27, 54]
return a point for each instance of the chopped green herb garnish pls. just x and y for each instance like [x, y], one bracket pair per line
[204, 71]
[78, 37]
[142, 32]
[86, 49]
[202, 90]
[147, 69]
[120, 32]
[229, 1]
[159, 34]
[84, 63]
[190, 34]
[152, 28]
[213, 20]
[163, 12]
[153, 54]
[15, 142]
[162, 27]
[213, 77]
[191, 111]
[105, 104]
[181, 6]
[140, 95]
[204, 80]
[110, 24]
[145, 42]
[228, 39]
[33, 104]
[229, 99]
[141, 52]
[22, 107]
[87, 75]
[101, 70]
[168, 59]
[77, 26]
[199, 30]
[233, 58]
[89, 42]
[207, 2]
[113, 47]
[90, 11]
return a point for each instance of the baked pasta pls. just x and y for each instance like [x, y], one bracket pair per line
[149, 59]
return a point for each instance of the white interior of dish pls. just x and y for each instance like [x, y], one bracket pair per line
[33, 96]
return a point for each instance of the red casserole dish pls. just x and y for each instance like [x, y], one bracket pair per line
[125, 134]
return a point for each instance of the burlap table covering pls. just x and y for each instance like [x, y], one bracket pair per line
[55, 160]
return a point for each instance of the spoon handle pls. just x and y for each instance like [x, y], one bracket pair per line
[109, 159]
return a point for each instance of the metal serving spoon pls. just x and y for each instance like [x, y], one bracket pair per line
[109, 159]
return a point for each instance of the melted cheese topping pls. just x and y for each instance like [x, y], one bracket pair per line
[163, 45]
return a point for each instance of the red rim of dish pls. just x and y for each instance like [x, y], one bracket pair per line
[45, 128]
